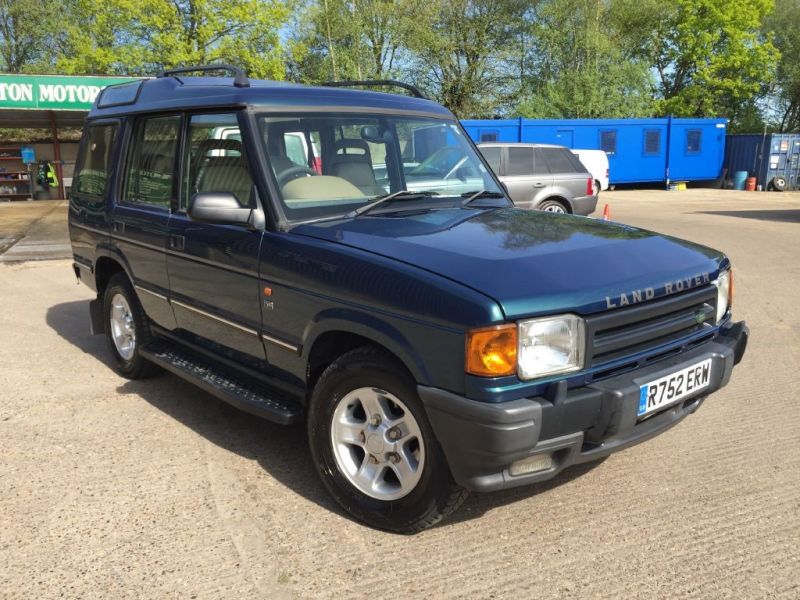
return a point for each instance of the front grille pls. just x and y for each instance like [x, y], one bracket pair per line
[628, 331]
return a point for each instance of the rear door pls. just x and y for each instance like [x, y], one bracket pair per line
[140, 217]
[527, 179]
[570, 177]
[213, 269]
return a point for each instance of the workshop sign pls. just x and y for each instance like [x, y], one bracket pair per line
[52, 92]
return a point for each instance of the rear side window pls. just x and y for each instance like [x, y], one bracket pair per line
[492, 156]
[540, 162]
[652, 141]
[693, 139]
[520, 161]
[151, 170]
[608, 141]
[560, 160]
[95, 160]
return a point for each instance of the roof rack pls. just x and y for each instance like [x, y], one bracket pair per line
[378, 82]
[239, 76]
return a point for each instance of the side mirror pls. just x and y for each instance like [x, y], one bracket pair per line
[221, 208]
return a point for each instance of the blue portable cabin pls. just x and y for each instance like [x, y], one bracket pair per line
[639, 150]
[765, 157]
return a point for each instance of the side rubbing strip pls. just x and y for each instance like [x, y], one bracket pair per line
[281, 343]
[216, 318]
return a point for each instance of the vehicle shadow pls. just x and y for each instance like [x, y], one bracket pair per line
[779, 215]
[281, 451]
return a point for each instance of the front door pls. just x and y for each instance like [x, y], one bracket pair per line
[213, 269]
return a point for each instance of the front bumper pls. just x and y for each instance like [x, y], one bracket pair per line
[481, 439]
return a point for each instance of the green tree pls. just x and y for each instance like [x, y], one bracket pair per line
[784, 26]
[466, 53]
[710, 56]
[577, 66]
[350, 39]
[143, 36]
[29, 31]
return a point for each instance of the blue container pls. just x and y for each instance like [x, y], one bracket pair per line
[739, 179]
[639, 150]
[768, 157]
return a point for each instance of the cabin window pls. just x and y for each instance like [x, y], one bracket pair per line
[693, 139]
[652, 142]
[608, 141]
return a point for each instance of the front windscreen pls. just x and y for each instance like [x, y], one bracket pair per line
[329, 165]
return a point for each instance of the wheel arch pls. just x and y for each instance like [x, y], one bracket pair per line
[330, 336]
[560, 199]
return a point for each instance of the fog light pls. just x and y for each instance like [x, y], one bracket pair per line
[532, 464]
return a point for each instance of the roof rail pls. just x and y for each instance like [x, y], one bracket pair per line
[239, 76]
[378, 82]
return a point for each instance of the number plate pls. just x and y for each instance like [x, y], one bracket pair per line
[672, 388]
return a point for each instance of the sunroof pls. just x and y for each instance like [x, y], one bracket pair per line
[119, 94]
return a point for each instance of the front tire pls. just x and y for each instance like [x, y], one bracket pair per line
[126, 328]
[373, 447]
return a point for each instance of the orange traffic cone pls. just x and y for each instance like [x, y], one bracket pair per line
[606, 213]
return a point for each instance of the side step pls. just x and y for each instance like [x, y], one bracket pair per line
[239, 392]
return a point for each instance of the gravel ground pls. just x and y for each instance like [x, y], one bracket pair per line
[119, 489]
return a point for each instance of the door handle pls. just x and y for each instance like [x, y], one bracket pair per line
[119, 226]
[177, 242]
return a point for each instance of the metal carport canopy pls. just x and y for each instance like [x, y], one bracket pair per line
[50, 102]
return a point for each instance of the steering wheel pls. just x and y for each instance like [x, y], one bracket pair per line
[295, 173]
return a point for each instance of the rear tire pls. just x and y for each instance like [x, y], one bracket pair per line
[553, 206]
[127, 329]
[597, 187]
[373, 447]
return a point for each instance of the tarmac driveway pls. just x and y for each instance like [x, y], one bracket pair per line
[117, 489]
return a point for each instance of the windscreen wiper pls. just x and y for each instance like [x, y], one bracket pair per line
[402, 194]
[470, 196]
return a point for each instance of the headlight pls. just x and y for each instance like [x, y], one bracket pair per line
[724, 285]
[550, 345]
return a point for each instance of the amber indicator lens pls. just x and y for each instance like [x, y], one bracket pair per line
[492, 352]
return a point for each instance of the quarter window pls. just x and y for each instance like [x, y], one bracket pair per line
[215, 159]
[693, 140]
[95, 160]
[151, 171]
[608, 141]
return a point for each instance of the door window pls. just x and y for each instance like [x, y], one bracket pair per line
[492, 156]
[151, 171]
[540, 162]
[520, 161]
[95, 160]
[215, 159]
